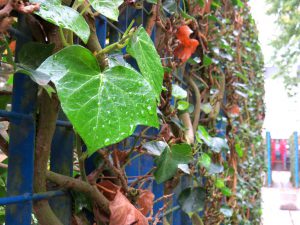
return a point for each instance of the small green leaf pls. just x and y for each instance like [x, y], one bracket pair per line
[152, 1]
[213, 18]
[178, 92]
[215, 169]
[64, 17]
[97, 102]
[50, 90]
[218, 144]
[184, 168]
[192, 199]
[206, 108]
[219, 183]
[4, 100]
[205, 160]
[143, 50]
[203, 135]
[238, 3]
[170, 6]
[167, 163]
[10, 80]
[178, 123]
[108, 8]
[227, 212]
[226, 191]
[207, 61]
[239, 150]
[155, 147]
[186, 15]
[201, 3]
[182, 105]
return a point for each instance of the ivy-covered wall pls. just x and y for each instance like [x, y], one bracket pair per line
[199, 81]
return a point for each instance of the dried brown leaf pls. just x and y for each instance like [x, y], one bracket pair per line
[145, 201]
[124, 213]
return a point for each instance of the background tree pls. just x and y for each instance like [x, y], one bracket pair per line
[287, 42]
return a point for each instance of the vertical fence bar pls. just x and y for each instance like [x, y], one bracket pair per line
[21, 145]
[268, 140]
[61, 161]
[101, 30]
[296, 160]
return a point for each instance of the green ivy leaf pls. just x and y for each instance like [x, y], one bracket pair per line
[170, 6]
[206, 108]
[215, 168]
[201, 2]
[104, 107]
[32, 54]
[64, 17]
[155, 147]
[205, 160]
[184, 168]
[239, 150]
[226, 191]
[219, 183]
[4, 100]
[218, 144]
[143, 50]
[108, 8]
[178, 92]
[152, 1]
[207, 61]
[192, 199]
[227, 212]
[202, 134]
[182, 105]
[167, 163]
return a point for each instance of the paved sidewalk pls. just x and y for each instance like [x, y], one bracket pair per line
[281, 203]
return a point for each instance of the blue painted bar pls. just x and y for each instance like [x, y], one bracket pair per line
[30, 197]
[61, 161]
[101, 30]
[20, 116]
[296, 160]
[62, 123]
[268, 140]
[21, 143]
[15, 116]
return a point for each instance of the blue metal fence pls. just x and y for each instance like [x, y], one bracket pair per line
[294, 158]
[22, 119]
[268, 141]
[296, 149]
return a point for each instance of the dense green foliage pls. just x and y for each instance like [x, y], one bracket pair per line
[200, 83]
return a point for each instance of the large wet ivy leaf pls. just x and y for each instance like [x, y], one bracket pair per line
[32, 54]
[192, 199]
[64, 17]
[108, 8]
[104, 107]
[167, 163]
[143, 50]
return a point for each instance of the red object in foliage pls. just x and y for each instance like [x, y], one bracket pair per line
[234, 110]
[187, 46]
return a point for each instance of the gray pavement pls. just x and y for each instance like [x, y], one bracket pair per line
[281, 202]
